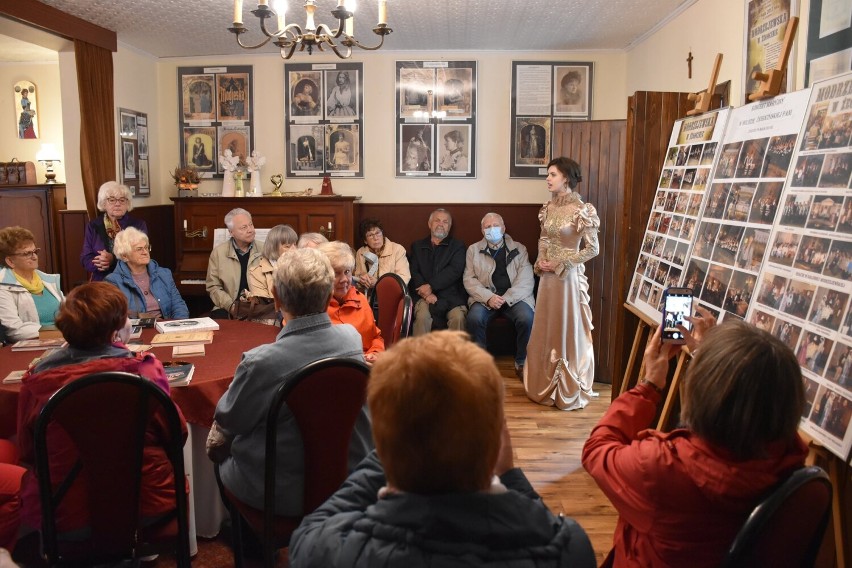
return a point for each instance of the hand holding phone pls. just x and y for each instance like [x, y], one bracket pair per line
[677, 308]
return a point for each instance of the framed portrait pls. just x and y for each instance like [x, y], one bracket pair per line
[127, 124]
[199, 149]
[234, 102]
[765, 25]
[26, 110]
[305, 95]
[128, 159]
[198, 97]
[342, 91]
[454, 149]
[142, 137]
[829, 40]
[342, 148]
[572, 90]
[436, 118]
[415, 150]
[324, 109]
[215, 106]
[144, 184]
[237, 139]
[306, 150]
[531, 141]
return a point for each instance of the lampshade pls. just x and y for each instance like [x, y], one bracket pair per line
[48, 153]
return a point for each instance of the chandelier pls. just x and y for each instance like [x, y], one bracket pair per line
[289, 37]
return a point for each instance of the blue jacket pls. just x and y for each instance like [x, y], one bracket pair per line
[163, 288]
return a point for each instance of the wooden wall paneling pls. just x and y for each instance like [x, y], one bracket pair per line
[161, 232]
[72, 232]
[36, 208]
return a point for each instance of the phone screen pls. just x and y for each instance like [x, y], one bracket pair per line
[678, 305]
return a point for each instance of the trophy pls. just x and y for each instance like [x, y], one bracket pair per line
[277, 180]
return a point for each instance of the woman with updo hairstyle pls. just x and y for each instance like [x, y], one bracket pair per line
[560, 366]
[682, 496]
[93, 320]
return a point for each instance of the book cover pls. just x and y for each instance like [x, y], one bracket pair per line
[191, 350]
[179, 373]
[170, 339]
[38, 344]
[187, 325]
[13, 377]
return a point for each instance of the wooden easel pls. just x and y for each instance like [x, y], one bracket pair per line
[702, 99]
[770, 83]
[644, 332]
[838, 473]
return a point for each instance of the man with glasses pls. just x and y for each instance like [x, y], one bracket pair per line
[97, 257]
[230, 262]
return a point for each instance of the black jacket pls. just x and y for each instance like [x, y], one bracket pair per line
[441, 267]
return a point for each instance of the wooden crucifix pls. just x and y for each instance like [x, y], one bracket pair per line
[689, 63]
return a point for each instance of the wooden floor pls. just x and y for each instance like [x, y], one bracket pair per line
[547, 445]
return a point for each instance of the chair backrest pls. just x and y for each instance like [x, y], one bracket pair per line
[402, 322]
[787, 527]
[390, 290]
[106, 416]
[326, 398]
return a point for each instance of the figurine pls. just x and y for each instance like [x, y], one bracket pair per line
[254, 163]
[229, 163]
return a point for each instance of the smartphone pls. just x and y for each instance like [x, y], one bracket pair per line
[677, 305]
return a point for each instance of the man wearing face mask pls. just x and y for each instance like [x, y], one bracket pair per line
[437, 264]
[498, 278]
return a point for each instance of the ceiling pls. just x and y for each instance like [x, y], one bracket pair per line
[175, 28]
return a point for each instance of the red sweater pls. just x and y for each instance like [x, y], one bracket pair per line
[355, 310]
[680, 499]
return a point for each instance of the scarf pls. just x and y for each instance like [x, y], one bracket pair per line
[34, 286]
[111, 230]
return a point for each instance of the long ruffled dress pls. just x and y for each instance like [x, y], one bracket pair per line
[560, 367]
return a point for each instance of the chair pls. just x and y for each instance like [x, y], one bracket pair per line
[325, 398]
[390, 291]
[106, 416]
[787, 527]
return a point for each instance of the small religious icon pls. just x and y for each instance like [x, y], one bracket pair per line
[326, 186]
[277, 180]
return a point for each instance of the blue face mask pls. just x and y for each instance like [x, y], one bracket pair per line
[493, 234]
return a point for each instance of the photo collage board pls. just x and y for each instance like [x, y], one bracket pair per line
[133, 151]
[676, 212]
[804, 287]
[544, 93]
[216, 111]
[436, 119]
[324, 110]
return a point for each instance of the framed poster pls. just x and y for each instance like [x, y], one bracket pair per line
[544, 92]
[829, 40]
[26, 110]
[216, 110]
[436, 119]
[324, 110]
[133, 151]
[765, 25]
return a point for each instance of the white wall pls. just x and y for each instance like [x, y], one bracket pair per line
[379, 184]
[45, 77]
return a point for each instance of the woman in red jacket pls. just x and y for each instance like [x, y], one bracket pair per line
[683, 495]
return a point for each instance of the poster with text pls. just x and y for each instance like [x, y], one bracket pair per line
[766, 24]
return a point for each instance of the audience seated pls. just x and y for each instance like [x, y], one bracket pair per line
[279, 240]
[378, 256]
[498, 278]
[682, 495]
[231, 261]
[149, 288]
[11, 477]
[97, 256]
[429, 495]
[29, 297]
[94, 322]
[311, 240]
[303, 286]
[437, 266]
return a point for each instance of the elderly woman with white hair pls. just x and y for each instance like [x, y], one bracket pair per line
[347, 304]
[115, 201]
[149, 288]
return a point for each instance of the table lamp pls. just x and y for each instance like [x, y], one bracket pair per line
[48, 154]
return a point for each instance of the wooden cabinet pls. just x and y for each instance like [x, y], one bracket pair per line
[333, 214]
[36, 207]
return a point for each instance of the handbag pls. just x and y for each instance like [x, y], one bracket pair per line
[254, 308]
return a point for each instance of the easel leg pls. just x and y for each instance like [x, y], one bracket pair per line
[635, 350]
[673, 393]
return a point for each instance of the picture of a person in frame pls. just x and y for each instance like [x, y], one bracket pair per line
[417, 157]
[454, 158]
[307, 149]
[341, 101]
[305, 99]
[453, 92]
[341, 151]
[532, 138]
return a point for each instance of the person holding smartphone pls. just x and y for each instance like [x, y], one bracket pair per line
[683, 495]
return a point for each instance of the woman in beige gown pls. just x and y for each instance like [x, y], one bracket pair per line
[560, 367]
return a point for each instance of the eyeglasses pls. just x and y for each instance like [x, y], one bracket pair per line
[373, 234]
[28, 253]
[117, 200]
[142, 249]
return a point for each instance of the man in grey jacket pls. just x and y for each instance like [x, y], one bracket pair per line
[498, 278]
[230, 262]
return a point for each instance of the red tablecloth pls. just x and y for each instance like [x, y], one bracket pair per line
[213, 372]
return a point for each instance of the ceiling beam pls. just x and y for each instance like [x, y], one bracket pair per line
[55, 21]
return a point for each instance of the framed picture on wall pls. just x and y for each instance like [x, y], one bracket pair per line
[306, 145]
[342, 90]
[305, 91]
[572, 90]
[415, 149]
[532, 141]
[199, 148]
[454, 148]
[133, 150]
[26, 111]
[342, 148]
[128, 124]
[237, 139]
[829, 40]
[765, 24]
[198, 97]
[128, 158]
[144, 188]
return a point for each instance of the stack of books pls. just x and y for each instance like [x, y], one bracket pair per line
[179, 373]
[171, 339]
[38, 344]
[186, 325]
